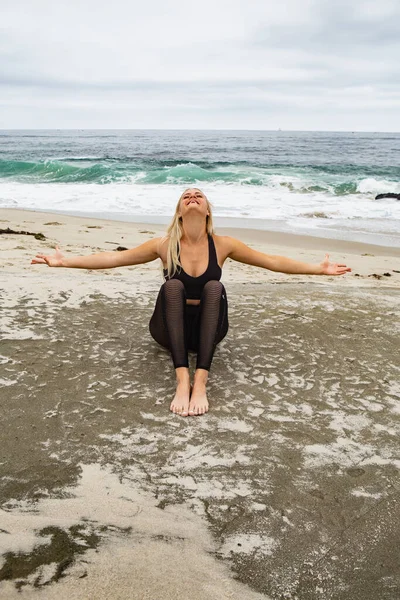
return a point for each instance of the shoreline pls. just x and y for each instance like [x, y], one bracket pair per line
[246, 234]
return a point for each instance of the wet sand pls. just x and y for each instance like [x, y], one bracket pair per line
[288, 488]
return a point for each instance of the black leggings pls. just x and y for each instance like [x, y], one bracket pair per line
[181, 327]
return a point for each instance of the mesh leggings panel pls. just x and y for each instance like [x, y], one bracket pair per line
[170, 324]
[173, 303]
[213, 322]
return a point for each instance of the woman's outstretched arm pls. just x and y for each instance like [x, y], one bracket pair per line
[103, 260]
[242, 253]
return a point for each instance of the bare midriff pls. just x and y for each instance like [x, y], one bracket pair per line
[193, 302]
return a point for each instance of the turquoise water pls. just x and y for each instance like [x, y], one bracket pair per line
[160, 157]
[286, 176]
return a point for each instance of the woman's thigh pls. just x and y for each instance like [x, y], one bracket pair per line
[157, 326]
[159, 331]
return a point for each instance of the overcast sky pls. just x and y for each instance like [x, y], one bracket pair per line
[211, 64]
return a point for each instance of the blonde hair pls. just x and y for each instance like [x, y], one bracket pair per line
[175, 232]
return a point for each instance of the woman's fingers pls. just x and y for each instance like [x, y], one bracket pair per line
[342, 271]
[334, 268]
[46, 259]
[40, 259]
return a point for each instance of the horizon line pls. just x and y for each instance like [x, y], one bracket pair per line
[279, 130]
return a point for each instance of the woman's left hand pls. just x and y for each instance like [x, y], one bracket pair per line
[329, 268]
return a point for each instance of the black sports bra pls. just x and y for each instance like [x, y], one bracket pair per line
[194, 285]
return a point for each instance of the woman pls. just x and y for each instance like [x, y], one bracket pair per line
[191, 309]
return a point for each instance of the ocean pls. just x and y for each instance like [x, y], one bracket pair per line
[317, 183]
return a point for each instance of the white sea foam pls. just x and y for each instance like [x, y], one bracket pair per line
[354, 213]
[375, 186]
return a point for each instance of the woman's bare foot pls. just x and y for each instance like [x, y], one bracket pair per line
[198, 400]
[180, 403]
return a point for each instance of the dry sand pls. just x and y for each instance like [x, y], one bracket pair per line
[288, 488]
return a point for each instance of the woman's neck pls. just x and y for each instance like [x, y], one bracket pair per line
[194, 231]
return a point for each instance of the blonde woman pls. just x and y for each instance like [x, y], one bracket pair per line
[191, 311]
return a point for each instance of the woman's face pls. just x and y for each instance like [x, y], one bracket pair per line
[193, 200]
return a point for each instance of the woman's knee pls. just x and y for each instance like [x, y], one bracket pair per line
[173, 288]
[214, 287]
[173, 285]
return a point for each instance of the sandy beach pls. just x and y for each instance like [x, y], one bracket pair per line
[287, 489]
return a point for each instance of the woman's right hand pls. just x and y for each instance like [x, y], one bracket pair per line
[51, 260]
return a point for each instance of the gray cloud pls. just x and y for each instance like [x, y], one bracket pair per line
[302, 64]
[339, 25]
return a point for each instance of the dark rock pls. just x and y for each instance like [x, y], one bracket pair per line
[388, 195]
[120, 248]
